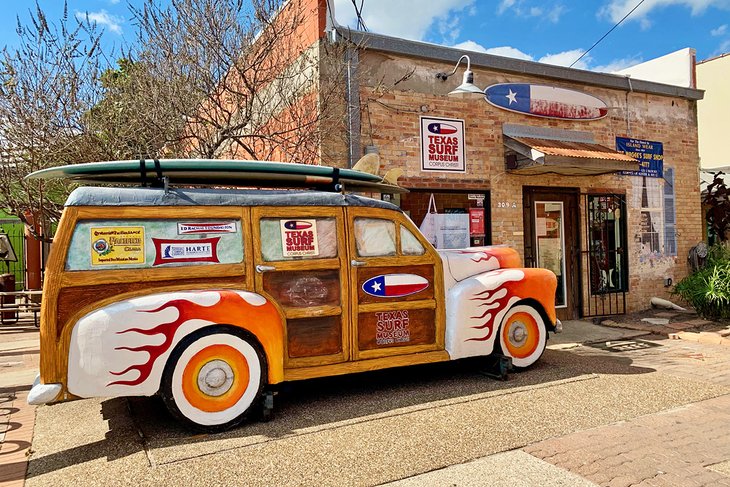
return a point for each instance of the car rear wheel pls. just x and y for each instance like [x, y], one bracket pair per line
[213, 378]
[523, 335]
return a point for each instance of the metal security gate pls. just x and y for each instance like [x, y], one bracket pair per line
[604, 259]
[15, 231]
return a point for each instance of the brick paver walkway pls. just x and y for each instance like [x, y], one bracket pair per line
[687, 447]
[16, 433]
[674, 448]
[18, 366]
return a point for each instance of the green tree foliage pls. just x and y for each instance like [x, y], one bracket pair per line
[708, 289]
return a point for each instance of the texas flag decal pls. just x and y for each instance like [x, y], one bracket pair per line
[394, 285]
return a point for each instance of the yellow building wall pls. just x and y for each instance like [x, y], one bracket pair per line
[713, 112]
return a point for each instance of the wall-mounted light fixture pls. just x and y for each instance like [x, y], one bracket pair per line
[467, 85]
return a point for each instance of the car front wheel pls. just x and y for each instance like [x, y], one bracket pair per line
[213, 378]
[523, 335]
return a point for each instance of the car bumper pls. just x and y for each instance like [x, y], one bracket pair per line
[558, 328]
[43, 393]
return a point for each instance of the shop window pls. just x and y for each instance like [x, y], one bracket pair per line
[374, 237]
[409, 243]
[606, 220]
[651, 223]
[464, 215]
[670, 215]
[298, 238]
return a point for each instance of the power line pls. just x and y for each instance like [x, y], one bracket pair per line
[606, 34]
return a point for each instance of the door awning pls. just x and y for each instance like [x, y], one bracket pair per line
[531, 155]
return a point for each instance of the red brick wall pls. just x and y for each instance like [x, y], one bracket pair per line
[391, 121]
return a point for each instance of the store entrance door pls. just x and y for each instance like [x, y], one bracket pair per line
[551, 241]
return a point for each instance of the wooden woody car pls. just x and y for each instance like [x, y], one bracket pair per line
[208, 297]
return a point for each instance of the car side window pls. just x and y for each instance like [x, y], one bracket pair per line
[299, 238]
[374, 237]
[140, 244]
[410, 245]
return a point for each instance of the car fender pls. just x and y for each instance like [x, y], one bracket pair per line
[121, 349]
[476, 306]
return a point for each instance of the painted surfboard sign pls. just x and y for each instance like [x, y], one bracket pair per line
[394, 285]
[546, 101]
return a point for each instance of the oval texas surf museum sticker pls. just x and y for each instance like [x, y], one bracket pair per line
[394, 285]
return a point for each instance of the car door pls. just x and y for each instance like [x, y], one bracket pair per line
[396, 282]
[301, 263]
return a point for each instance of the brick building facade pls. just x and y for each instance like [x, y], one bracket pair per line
[614, 240]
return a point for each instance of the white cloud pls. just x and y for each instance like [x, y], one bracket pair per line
[114, 2]
[720, 31]
[616, 9]
[505, 5]
[505, 51]
[566, 58]
[723, 48]
[409, 19]
[521, 9]
[104, 19]
[470, 46]
[617, 65]
[508, 51]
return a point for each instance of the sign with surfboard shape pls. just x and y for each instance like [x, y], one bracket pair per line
[546, 101]
[394, 285]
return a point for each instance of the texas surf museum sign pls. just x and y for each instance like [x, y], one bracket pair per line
[442, 145]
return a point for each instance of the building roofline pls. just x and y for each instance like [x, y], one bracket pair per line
[714, 58]
[396, 45]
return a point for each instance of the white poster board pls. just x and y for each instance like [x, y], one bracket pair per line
[442, 145]
[453, 232]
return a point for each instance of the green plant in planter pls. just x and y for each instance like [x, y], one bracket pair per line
[708, 289]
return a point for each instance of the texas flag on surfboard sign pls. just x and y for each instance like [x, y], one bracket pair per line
[546, 101]
[394, 285]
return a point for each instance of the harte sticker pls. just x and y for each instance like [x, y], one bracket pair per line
[186, 251]
[117, 245]
[392, 327]
[212, 227]
[299, 238]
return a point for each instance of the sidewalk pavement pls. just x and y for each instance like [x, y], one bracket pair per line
[110, 447]
[18, 367]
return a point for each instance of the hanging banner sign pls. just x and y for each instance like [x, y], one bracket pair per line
[117, 245]
[299, 238]
[649, 154]
[442, 145]
[185, 251]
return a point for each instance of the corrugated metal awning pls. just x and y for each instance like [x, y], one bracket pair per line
[528, 155]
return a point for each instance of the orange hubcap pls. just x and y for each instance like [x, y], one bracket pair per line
[215, 378]
[521, 335]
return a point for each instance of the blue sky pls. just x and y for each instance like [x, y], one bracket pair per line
[553, 31]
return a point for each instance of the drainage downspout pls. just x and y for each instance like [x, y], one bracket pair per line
[628, 118]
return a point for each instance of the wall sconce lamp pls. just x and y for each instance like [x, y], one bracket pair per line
[467, 85]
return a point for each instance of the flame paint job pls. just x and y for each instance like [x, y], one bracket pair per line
[476, 306]
[109, 358]
[461, 264]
